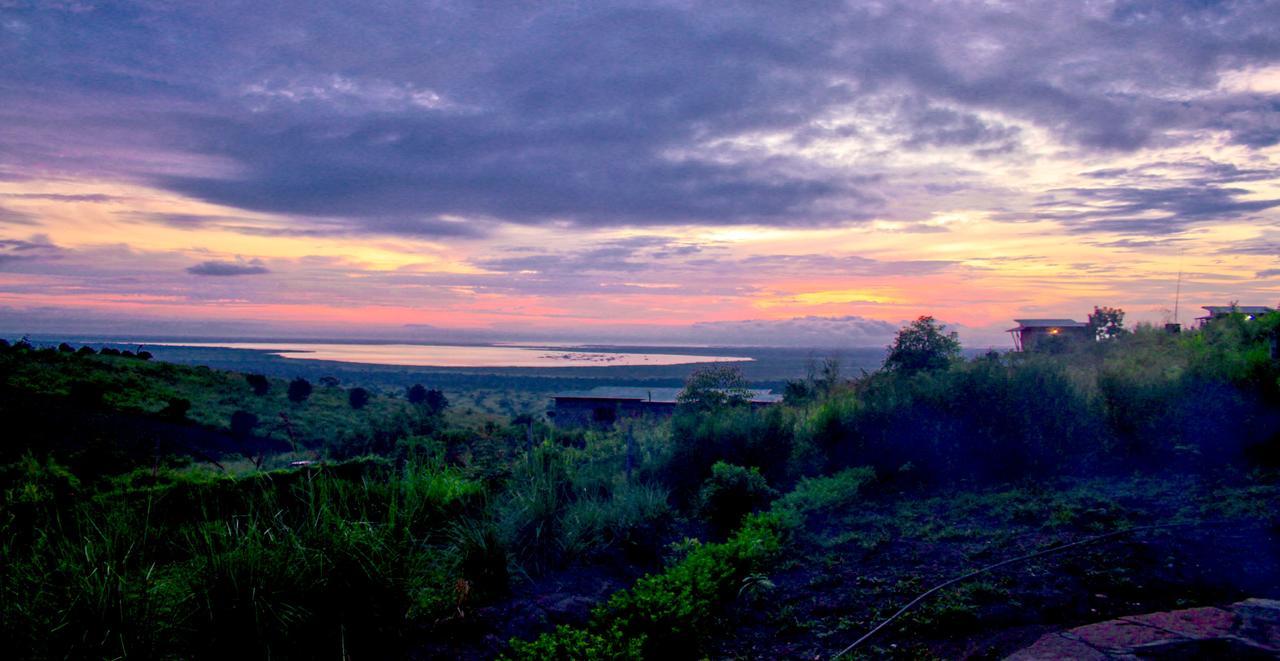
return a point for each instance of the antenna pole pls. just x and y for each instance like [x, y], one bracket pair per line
[1177, 296]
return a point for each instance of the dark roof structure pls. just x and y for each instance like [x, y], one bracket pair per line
[1223, 310]
[654, 395]
[1048, 323]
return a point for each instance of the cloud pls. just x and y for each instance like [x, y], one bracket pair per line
[389, 121]
[14, 217]
[851, 331]
[216, 268]
[37, 247]
[62, 197]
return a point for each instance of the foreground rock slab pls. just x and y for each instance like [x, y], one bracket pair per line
[1248, 629]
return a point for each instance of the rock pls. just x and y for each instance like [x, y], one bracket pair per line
[1248, 629]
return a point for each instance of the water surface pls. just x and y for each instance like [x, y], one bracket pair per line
[441, 355]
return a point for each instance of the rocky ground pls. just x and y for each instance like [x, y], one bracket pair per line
[1248, 629]
[854, 569]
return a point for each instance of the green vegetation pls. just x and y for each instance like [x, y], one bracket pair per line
[155, 510]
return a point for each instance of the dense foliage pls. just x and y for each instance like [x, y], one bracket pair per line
[150, 509]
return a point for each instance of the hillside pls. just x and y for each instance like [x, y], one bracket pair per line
[1135, 475]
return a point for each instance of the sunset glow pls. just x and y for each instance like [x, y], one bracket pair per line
[196, 173]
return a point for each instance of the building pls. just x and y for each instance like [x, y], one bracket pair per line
[605, 405]
[1031, 334]
[1219, 311]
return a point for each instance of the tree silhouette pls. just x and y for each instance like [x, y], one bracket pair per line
[299, 390]
[358, 397]
[924, 344]
[1107, 322]
[243, 422]
[714, 386]
[259, 383]
[436, 401]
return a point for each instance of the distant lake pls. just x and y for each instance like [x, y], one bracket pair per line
[429, 355]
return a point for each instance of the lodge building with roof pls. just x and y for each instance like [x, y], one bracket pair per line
[1031, 334]
[605, 405]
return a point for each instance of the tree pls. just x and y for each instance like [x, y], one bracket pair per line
[65, 348]
[358, 397]
[259, 383]
[436, 401]
[243, 422]
[1107, 323]
[924, 344]
[299, 390]
[714, 386]
[176, 409]
[85, 350]
[417, 394]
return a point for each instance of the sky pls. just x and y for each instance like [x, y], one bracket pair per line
[744, 173]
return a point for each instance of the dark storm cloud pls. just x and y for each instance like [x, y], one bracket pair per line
[216, 268]
[448, 120]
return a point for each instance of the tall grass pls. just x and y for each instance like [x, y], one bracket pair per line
[287, 565]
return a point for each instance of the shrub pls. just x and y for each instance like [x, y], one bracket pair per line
[828, 493]
[670, 613]
[177, 409]
[631, 517]
[259, 383]
[737, 435]
[299, 390]
[243, 423]
[730, 494]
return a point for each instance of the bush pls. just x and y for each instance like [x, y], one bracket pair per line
[670, 614]
[299, 390]
[739, 435]
[243, 423]
[730, 494]
[259, 383]
[632, 517]
[177, 409]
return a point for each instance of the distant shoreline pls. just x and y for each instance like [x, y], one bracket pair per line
[457, 355]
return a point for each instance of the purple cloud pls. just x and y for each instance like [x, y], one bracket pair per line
[216, 268]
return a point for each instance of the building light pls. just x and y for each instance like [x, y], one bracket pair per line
[1053, 331]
